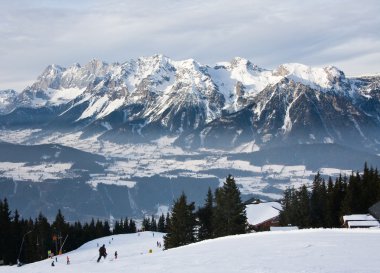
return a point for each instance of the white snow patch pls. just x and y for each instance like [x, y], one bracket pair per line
[328, 140]
[36, 173]
[247, 148]
[106, 125]
[64, 95]
[334, 172]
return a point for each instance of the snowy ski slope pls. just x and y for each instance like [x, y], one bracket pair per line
[306, 251]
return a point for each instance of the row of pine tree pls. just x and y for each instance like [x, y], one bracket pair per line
[325, 203]
[30, 240]
[222, 214]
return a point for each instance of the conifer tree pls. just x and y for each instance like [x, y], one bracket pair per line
[5, 224]
[60, 228]
[161, 224]
[349, 205]
[229, 216]
[146, 224]
[167, 222]
[303, 208]
[318, 202]
[182, 224]
[330, 213]
[126, 227]
[106, 229]
[99, 228]
[336, 201]
[16, 230]
[205, 215]
[42, 235]
[288, 214]
[153, 224]
[132, 226]
[118, 228]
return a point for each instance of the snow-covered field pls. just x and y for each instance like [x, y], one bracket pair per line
[161, 158]
[306, 251]
[36, 173]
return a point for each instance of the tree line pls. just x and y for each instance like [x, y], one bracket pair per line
[326, 202]
[30, 240]
[222, 214]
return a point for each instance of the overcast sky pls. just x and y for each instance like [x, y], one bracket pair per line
[34, 34]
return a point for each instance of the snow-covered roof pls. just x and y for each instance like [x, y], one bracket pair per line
[363, 224]
[262, 212]
[358, 217]
[375, 210]
[283, 228]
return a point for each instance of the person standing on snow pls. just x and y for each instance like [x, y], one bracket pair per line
[115, 255]
[102, 252]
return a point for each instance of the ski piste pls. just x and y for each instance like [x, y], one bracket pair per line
[135, 244]
[311, 251]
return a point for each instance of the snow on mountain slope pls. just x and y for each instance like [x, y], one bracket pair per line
[188, 87]
[158, 80]
[242, 70]
[318, 78]
[226, 106]
[7, 98]
[307, 251]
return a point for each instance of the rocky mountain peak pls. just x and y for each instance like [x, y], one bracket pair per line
[95, 65]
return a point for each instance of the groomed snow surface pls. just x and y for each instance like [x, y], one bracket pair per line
[306, 251]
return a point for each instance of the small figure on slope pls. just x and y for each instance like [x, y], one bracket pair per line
[115, 255]
[68, 260]
[102, 252]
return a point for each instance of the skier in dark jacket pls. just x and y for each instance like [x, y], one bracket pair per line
[102, 252]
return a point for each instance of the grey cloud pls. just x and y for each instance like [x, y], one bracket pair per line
[269, 33]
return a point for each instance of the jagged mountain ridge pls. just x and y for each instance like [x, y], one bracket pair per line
[223, 106]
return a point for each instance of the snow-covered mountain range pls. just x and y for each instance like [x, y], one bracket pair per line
[151, 128]
[222, 106]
